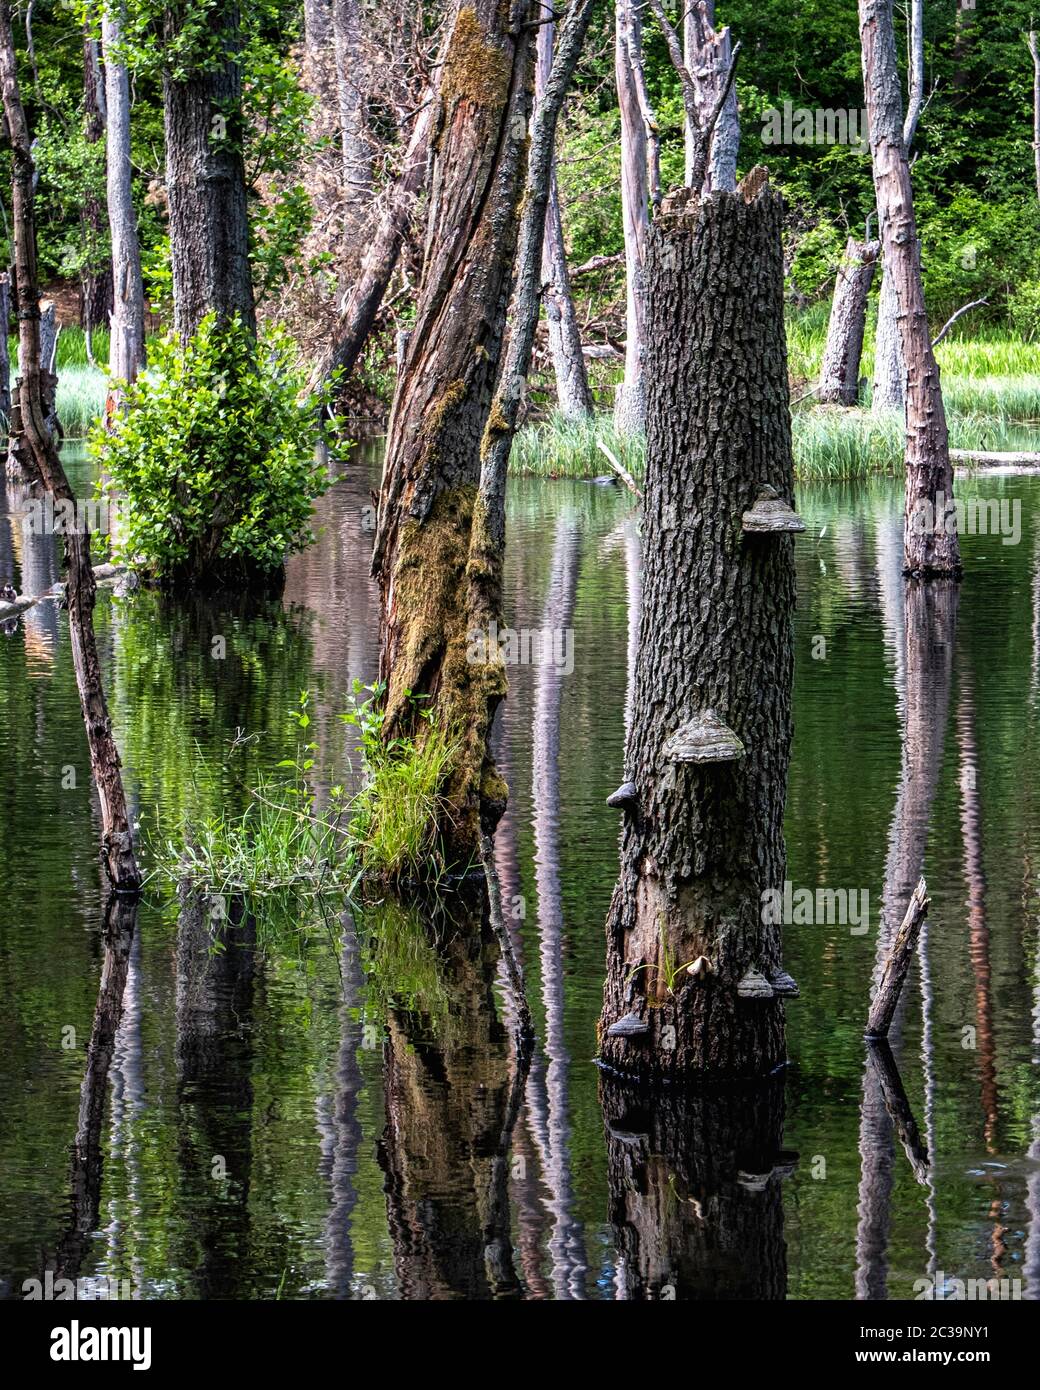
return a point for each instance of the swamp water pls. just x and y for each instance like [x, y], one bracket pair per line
[315, 1114]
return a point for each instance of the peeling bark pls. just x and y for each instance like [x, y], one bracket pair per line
[839, 373]
[928, 550]
[703, 841]
[422, 552]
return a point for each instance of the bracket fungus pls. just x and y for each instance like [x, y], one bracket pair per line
[625, 796]
[631, 1026]
[770, 514]
[784, 984]
[704, 739]
[754, 985]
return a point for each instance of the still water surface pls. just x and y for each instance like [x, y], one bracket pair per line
[309, 1115]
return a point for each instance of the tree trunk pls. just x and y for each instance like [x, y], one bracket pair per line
[839, 374]
[433, 459]
[1034, 53]
[5, 356]
[377, 266]
[126, 350]
[694, 980]
[708, 55]
[888, 352]
[629, 410]
[96, 305]
[929, 547]
[354, 140]
[695, 1192]
[573, 397]
[117, 841]
[206, 184]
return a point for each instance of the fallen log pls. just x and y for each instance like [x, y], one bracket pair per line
[103, 576]
[882, 1010]
[993, 459]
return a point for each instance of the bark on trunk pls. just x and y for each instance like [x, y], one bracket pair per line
[930, 546]
[630, 410]
[707, 57]
[693, 960]
[888, 353]
[1034, 53]
[354, 140]
[443, 399]
[573, 397]
[206, 183]
[362, 305]
[839, 374]
[117, 851]
[695, 1192]
[5, 357]
[126, 345]
[96, 304]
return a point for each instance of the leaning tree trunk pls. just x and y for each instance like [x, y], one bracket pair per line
[888, 351]
[629, 410]
[377, 265]
[433, 460]
[930, 547]
[97, 273]
[573, 397]
[117, 851]
[5, 356]
[126, 346]
[206, 182]
[694, 982]
[839, 374]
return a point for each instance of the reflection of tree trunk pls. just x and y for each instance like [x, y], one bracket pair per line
[120, 923]
[695, 1196]
[215, 967]
[341, 1139]
[978, 927]
[930, 618]
[567, 1244]
[450, 1105]
[1031, 1253]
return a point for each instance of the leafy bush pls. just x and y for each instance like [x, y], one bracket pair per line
[215, 458]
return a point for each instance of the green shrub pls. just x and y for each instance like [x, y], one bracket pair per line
[214, 458]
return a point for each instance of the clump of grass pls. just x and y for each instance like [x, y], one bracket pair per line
[81, 399]
[394, 817]
[562, 447]
[831, 442]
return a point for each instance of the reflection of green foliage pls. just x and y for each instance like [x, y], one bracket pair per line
[402, 962]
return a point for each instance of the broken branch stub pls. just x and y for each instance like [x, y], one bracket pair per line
[882, 1010]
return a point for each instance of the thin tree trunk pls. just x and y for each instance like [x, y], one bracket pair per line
[96, 304]
[5, 356]
[888, 352]
[117, 840]
[126, 351]
[362, 305]
[629, 410]
[707, 56]
[350, 74]
[1034, 53]
[694, 982]
[930, 546]
[839, 374]
[573, 397]
[433, 461]
[206, 184]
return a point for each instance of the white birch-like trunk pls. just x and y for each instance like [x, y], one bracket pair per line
[126, 350]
